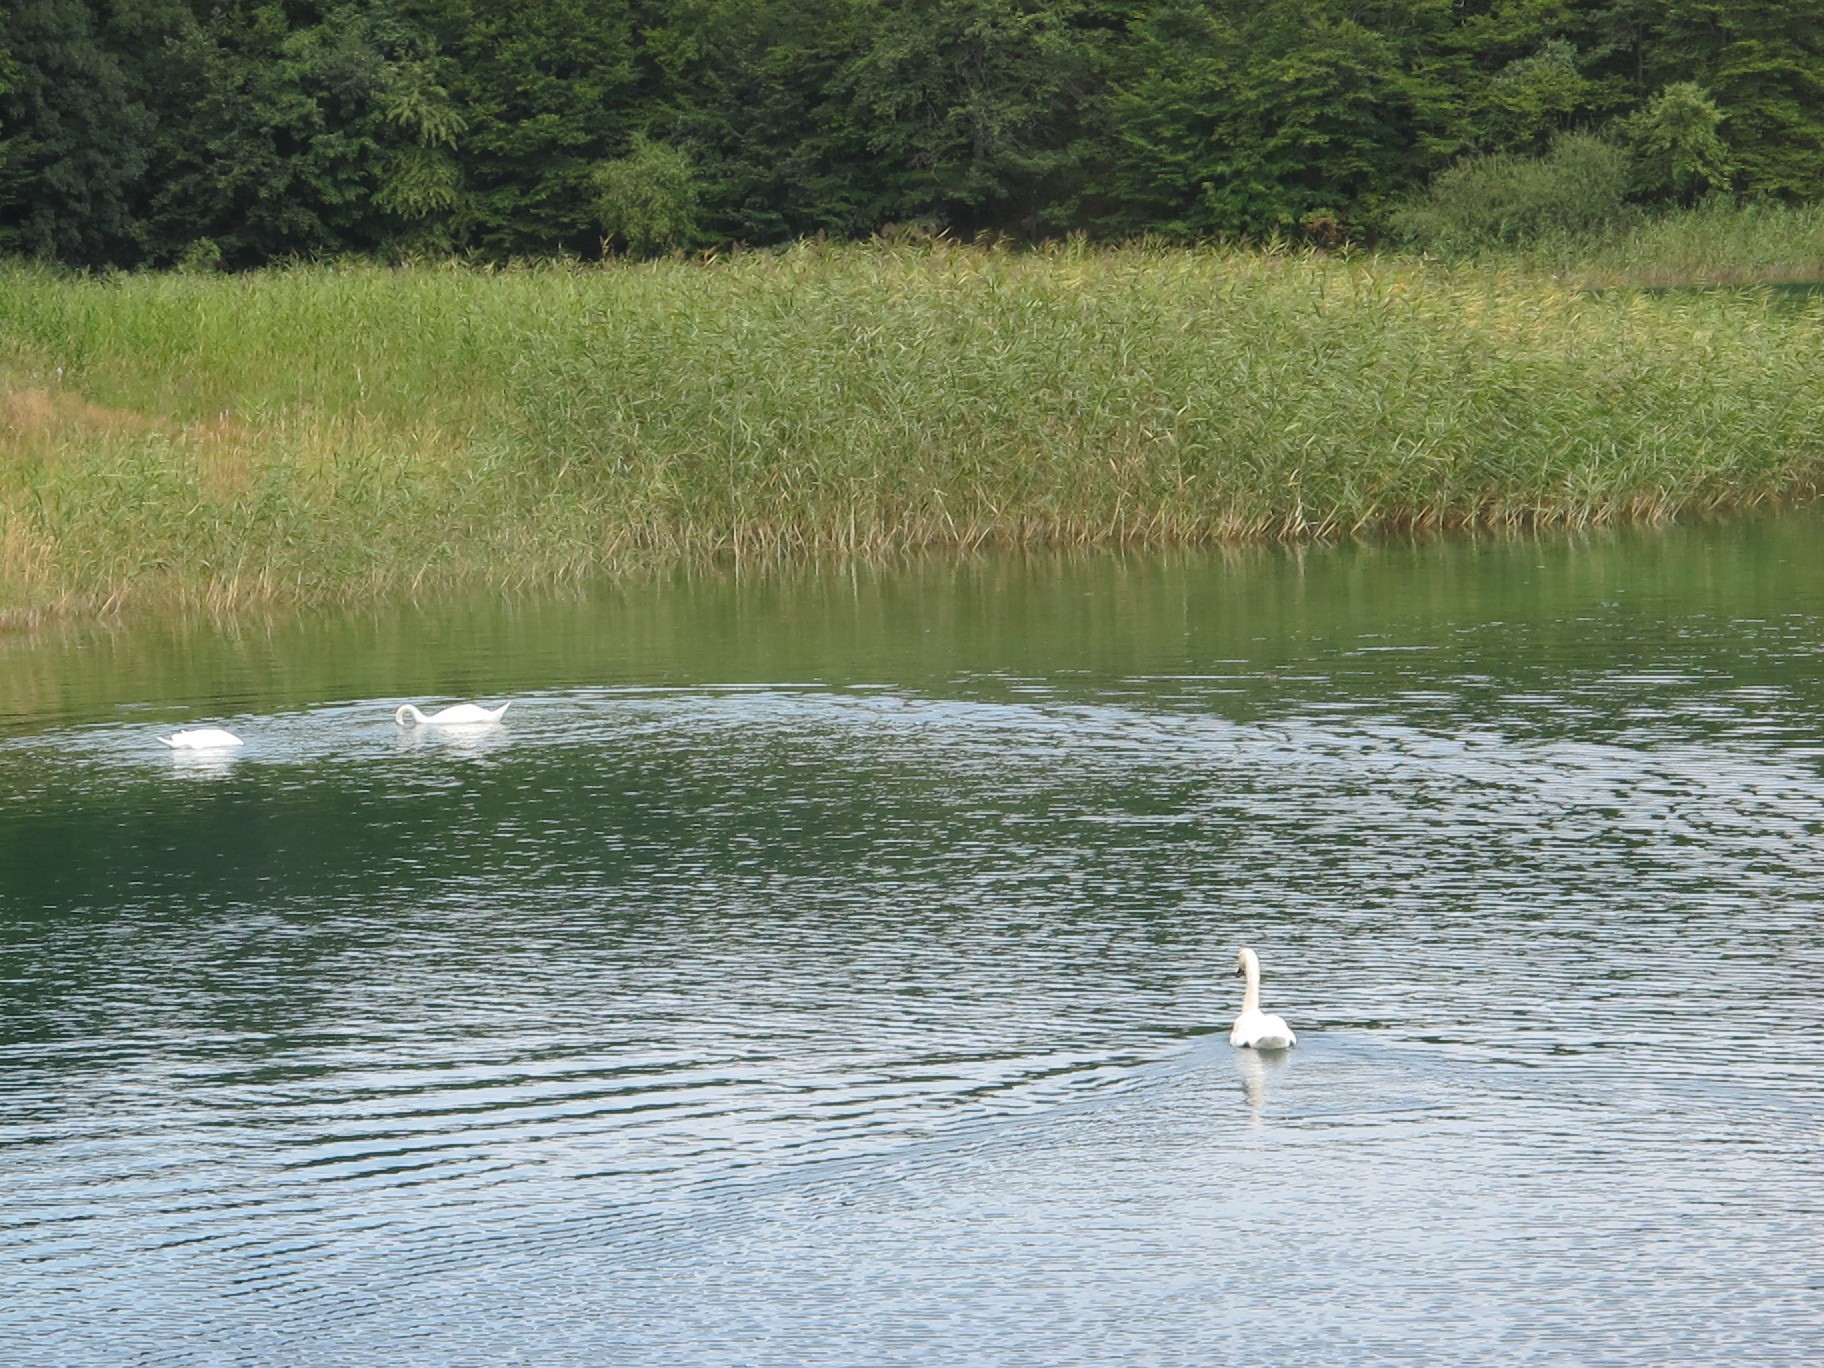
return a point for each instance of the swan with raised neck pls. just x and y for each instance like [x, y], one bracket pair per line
[1255, 1029]
[459, 715]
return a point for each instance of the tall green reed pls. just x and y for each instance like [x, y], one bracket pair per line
[346, 431]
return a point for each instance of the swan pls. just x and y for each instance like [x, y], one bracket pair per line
[1254, 1028]
[461, 715]
[201, 738]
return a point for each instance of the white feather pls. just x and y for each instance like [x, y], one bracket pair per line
[201, 738]
[1255, 1029]
[460, 715]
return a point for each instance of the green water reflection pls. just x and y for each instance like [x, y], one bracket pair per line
[1506, 604]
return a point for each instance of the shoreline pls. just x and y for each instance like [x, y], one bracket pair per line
[338, 434]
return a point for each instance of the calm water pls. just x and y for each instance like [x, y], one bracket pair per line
[834, 969]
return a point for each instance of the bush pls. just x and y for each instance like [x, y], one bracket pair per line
[1577, 189]
[647, 200]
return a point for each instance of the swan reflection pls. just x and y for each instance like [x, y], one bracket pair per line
[456, 740]
[1257, 1070]
[203, 764]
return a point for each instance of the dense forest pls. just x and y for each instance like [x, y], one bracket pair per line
[237, 132]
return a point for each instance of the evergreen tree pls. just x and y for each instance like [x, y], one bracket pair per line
[754, 90]
[74, 137]
[1258, 119]
[973, 107]
[308, 134]
[244, 131]
[1762, 62]
[545, 90]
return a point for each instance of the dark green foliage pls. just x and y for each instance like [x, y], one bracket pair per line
[972, 107]
[284, 139]
[758, 92]
[72, 137]
[1254, 119]
[1762, 61]
[546, 90]
[1532, 98]
[235, 132]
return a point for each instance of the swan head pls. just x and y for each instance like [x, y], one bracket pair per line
[1246, 963]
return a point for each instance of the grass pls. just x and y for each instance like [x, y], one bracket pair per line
[339, 433]
[1717, 243]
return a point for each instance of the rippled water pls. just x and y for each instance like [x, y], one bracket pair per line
[835, 969]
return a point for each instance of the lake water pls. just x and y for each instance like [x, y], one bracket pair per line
[835, 968]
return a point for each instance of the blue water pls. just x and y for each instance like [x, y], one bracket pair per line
[836, 969]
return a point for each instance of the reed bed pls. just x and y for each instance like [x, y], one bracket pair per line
[345, 432]
[1717, 243]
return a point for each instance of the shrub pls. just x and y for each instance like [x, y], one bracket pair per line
[647, 200]
[1577, 189]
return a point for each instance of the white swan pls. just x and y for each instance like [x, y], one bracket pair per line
[461, 715]
[1255, 1029]
[201, 738]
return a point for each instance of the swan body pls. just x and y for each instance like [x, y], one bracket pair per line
[1255, 1029]
[461, 715]
[201, 738]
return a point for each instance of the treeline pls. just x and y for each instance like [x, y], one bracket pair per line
[230, 132]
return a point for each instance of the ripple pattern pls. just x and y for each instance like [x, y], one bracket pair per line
[803, 1024]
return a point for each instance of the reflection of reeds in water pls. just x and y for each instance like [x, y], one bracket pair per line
[324, 434]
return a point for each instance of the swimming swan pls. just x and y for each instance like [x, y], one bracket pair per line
[462, 715]
[201, 738]
[1255, 1029]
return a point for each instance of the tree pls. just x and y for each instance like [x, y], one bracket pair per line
[974, 107]
[1259, 120]
[755, 90]
[1762, 63]
[75, 138]
[545, 89]
[326, 132]
[1675, 144]
[1533, 98]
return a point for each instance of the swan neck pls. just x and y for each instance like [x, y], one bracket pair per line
[1250, 995]
[408, 710]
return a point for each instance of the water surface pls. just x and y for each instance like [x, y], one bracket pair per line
[833, 967]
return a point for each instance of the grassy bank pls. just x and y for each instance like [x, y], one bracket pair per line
[347, 432]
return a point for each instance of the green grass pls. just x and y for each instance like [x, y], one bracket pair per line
[1717, 243]
[346, 432]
